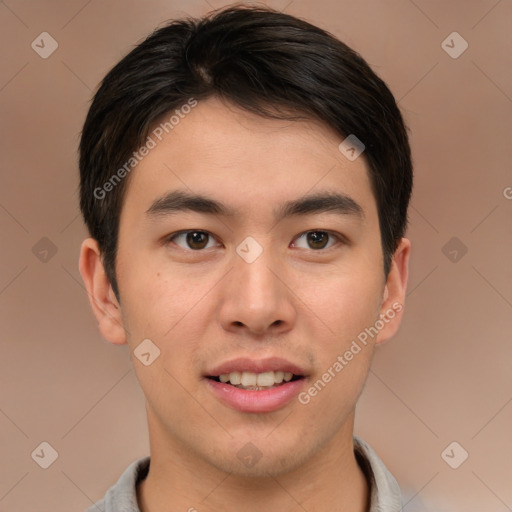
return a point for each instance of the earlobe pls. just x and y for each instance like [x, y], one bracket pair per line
[391, 310]
[104, 304]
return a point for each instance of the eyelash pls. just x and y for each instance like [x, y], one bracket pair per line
[340, 238]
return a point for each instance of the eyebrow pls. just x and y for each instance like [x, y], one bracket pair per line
[320, 202]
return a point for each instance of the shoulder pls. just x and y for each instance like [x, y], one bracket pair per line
[122, 496]
[384, 490]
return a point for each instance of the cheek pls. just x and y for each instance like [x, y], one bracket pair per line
[171, 313]
[167, 312]
[345, 302]
[157, 303]
[344, 355]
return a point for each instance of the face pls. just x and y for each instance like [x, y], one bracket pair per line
[255, 278]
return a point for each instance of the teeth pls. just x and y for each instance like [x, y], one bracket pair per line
[266, 379]
[235, 378]
[249, 379]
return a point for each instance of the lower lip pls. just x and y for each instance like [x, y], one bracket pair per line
[246, 400]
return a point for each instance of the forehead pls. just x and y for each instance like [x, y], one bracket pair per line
[244, 160]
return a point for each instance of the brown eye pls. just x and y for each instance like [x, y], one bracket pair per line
[318, 240]
[195, 240]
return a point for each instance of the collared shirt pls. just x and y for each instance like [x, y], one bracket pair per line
[385, 495]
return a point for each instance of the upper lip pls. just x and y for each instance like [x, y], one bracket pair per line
[246, 364]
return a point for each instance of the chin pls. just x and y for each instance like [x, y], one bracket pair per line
[264, 459]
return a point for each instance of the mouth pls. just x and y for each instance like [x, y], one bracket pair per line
[256, 381]
[254, 386]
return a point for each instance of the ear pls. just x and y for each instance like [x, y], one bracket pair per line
[105, 306]
[393, 299]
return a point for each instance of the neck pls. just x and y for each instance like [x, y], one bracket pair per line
[180, 481]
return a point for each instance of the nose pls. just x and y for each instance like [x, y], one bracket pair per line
[256, 298]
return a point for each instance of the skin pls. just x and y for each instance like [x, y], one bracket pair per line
[203, 307]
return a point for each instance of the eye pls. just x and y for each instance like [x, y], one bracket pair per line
[318, 239]
[195, 240]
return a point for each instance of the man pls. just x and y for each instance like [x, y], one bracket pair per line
[245, 180]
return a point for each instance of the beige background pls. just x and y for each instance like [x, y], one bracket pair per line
[445, 377]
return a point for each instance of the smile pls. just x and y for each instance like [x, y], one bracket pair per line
[256, 381]
[248, 385]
